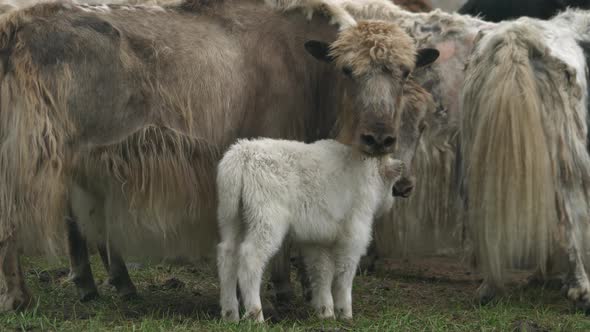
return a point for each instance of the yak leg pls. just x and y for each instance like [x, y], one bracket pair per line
[15, 294]
[368, 261]
[578, 285]
[280, 274]
[487, 291]
[118, 274]
[80, 269]
[303, 277]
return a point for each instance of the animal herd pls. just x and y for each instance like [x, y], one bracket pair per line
[253, 129]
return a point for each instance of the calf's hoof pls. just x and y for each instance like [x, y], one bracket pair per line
[15, 301]
[344, 314]
[230, 316]
[325, 312]
[255, 315]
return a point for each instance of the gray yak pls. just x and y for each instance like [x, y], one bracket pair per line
[119, 114]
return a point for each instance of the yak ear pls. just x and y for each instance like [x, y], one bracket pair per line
[426, 56]
[319, 50]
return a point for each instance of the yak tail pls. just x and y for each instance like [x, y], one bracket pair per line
[509, 184]
[229, 193]
[32, 152]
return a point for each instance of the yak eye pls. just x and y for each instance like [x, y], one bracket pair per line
[347, 71]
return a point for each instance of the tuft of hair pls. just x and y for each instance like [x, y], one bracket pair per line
[426, 221]
[330, 8]
[373, 44]
[159, 187]
[510, 184]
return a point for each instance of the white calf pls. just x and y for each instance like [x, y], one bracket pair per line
[325, 195]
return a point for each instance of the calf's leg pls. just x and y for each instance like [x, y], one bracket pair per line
[346, 261]
[80, 269]
[227, 266]
[320, 267]
[15, 294]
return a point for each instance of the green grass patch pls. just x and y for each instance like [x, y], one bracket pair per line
[185, 298]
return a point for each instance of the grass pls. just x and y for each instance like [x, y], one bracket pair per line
[184, 298]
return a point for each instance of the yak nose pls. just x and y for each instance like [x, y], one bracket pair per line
[377, 142]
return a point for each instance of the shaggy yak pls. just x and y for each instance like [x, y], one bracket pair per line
[524, 142]
[126, 110]
[324, 195]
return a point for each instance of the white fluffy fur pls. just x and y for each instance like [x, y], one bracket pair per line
[324, 195]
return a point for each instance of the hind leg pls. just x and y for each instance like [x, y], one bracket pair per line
[15, 294]
[577, 284]
[80, 270]
[227, 267]
[259, 245]
[118, 274]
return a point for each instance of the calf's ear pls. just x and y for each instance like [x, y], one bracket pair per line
[319, 50]
[426, 56]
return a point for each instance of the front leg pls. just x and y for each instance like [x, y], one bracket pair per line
[15, 295]
[320, 267]
[346, 263]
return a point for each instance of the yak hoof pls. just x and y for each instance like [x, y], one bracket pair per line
[283, 293]
[86, 295]
[15, 301]
[486, 293]
[580, 296]
[128, 292]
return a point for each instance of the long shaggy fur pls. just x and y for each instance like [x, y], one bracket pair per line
[510, 179]
[431, 212]
[32, 160]
[158, 186]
